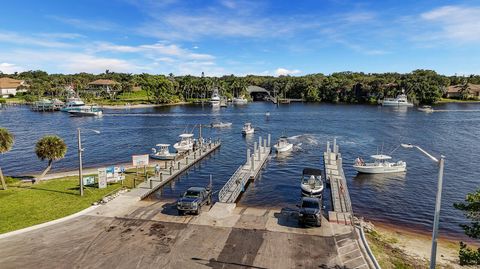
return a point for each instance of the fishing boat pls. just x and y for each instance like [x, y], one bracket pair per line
[239, 101]
[380, 165]
[400, 100]
[72, 103]
[426, 109]
[90, 110]
[312, 182]
[221, 124]
[185, 143]
[215, 99]
[247, 129]
[282, 145]
[162, 152]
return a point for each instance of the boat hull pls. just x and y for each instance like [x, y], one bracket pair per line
[379, 169]
[393, 103]
[163, 157]
[285, 148]
[85, 114]
[307, 191]
[183, 147]
[246, 132]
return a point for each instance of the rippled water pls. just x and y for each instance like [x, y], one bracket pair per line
[404, 199]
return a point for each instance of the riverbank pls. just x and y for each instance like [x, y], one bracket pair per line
[133, 106]
[398, 247]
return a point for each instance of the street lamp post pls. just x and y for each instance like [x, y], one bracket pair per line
[438, 202]
[80, 164]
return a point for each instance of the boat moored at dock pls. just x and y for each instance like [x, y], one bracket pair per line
[72, 103]
[380, 165]
[239, 101]
[215, 99]
[162, 152]
[400, 100]
[312, 182]
[185, 143]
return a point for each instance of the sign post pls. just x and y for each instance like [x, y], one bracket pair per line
[102, 178]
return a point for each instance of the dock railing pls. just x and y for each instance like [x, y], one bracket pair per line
[225, 189]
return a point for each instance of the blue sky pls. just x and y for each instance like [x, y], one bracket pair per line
[240, 37]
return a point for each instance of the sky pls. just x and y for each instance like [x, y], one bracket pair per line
[223, 37]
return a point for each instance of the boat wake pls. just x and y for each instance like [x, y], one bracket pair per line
[304, 142]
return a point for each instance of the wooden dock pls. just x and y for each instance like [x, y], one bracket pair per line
[172, 169]
[250, 170]
[342, 205]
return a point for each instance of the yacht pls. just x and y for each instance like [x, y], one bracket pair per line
[215, 99]
[72, 103]
[247, 129]
[185, 143]
[401, 100]
[426, 109]
[380, 165]
[162, 152]
[312, 183]
[90, 110]
[239, 101]
[282, 145]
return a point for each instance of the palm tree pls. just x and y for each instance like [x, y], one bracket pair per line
[51, 148]
[6, 143]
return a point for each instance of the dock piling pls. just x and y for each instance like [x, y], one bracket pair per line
[269, 139]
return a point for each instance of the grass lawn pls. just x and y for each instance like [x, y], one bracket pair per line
[24, 204]
[450, 100]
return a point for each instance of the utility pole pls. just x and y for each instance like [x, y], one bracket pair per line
[438, 203]
[80, 171]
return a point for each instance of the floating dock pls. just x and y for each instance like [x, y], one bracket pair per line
[342, 205]
[172, 169]
[250, 170]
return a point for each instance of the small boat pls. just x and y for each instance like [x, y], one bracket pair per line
[215, 99]
[72, 103]
[427, 109]
[162, 152]
[185, 143]
[90, 110]
[312, 182]
[267, 114]
[221, 125]
[381, 165]
[282, 145]
[401, 100]
[239, 101]
[247, 129]
[223, 102]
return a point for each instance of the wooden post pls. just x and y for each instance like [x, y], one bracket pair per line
[269, 139]
[171, 170]
[4, 185]
[248, 156]
[150, 182]
[161, 176]
[178, 165]
[165, 165]
[264, 145]
[186, 160]
[252, 159]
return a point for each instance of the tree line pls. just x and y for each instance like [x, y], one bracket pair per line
[421, 86]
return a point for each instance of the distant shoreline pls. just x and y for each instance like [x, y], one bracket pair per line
[125, 106]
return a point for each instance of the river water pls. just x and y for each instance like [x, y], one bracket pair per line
[405, 200]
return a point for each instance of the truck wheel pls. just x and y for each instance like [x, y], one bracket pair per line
[181, 213]
[199, 210]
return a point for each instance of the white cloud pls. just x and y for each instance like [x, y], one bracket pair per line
[8, 68]
[285, 72]
[32, 40]
[457, 23]
[96, 25]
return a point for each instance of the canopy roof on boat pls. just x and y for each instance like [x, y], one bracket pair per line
[381, 157]
[312, 171]
[162, 145]
[186, 135]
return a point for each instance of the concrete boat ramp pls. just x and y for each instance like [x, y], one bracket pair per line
[132, 233]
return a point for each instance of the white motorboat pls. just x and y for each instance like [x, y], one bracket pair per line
[247, 129]
[312, 182]
[221, 124]
[282, 145]
[426, 109]
[185, 143]
[72, 103]
[215, 99]
[162, 152]
[90, 110]
[401, 100]
[239, 101]
[380, 165]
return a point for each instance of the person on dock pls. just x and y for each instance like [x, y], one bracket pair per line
[157, 170]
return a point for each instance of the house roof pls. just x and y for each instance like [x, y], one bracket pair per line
[8, 83]
[103, 82]
[472, 88]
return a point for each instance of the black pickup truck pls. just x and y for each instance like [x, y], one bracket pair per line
[193, 200]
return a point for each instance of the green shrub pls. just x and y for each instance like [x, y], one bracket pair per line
[468, 256]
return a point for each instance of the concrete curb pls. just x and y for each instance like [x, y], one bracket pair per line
[365, 245]
[46, 224]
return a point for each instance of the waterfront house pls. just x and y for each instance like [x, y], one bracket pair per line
[10, 87]
[469, 91]
[104, 87]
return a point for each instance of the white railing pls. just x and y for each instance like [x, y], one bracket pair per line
[226, 187]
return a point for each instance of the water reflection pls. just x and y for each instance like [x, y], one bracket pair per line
[380, 182]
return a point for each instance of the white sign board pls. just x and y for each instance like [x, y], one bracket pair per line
[102, 178]
[140, 160]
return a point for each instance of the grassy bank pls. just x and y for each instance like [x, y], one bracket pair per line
[25, 204]
[450, 100]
